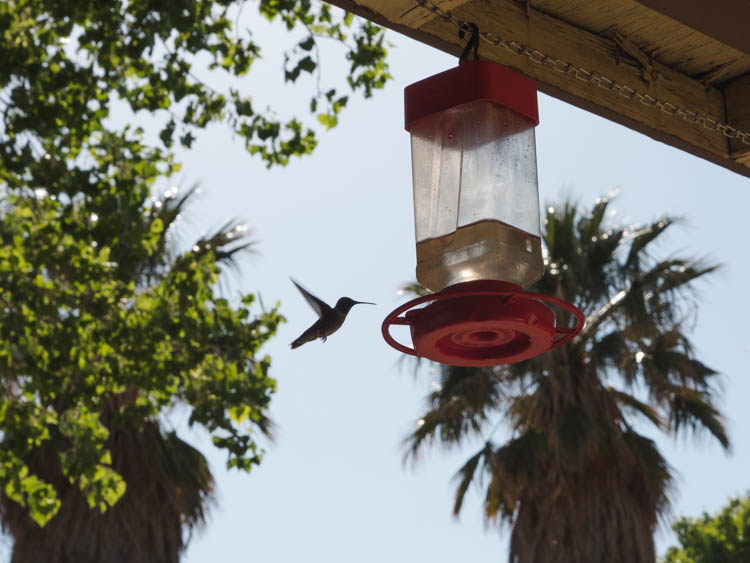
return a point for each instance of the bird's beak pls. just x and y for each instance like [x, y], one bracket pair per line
[363, 303]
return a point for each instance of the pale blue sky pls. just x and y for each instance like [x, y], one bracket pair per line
[333, 488]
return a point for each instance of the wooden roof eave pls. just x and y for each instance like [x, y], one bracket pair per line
[608, 56]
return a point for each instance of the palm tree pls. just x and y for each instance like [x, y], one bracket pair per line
[575, 479]
[169, 484]
[169, 488]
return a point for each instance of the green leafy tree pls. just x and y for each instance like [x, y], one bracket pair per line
[720, 538]
[574, 478]
[104, 328]
[65, 63]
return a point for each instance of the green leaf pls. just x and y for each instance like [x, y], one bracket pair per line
[307, 64]
[328, 120]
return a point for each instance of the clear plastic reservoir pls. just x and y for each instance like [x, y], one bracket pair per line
[475, 196]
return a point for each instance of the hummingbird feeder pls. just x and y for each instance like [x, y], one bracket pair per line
[476, 213]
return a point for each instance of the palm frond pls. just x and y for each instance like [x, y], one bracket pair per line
[604, 312]
[638, 303]
[267, 426]
[466, 474]
[628, 402]
[459, 408]
[693, 409]
[225, 242]
[599, 253]
[684, 274]
[166, 210]
[512, 468]
[642, 238]
[559, 233]
[225, 245]
[669, 361]
[613, 353]
[653, 277]
[657, 482]
[447, 425]
[590, 225]
[172, 207]
[478, 389]
[189, 473]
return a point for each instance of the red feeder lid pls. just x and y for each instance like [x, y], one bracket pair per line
[468, 82]
[482, 323]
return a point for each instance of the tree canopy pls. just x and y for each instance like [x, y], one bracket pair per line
[101, 320]
[66, 63]
[97, 318]
[723, 537]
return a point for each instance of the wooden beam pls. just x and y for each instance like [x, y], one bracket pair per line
[737, 96]
[725, 20]
[539, 31]
[409, 13]
[520, 22]
[416, 16]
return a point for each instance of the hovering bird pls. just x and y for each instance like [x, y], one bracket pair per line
[330, 319]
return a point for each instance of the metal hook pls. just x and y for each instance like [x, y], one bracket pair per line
[472, 44]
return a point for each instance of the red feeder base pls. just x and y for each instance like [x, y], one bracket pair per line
[482, 323]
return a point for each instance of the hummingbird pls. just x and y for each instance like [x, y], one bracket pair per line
[330, 319]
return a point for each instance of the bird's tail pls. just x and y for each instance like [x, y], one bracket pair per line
[308, 336]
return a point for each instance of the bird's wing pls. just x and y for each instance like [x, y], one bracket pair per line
[320, 306]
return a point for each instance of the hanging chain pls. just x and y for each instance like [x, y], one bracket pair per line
[592, 77]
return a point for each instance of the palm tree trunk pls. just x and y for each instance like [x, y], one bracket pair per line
[145, 525]
[593, 500]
